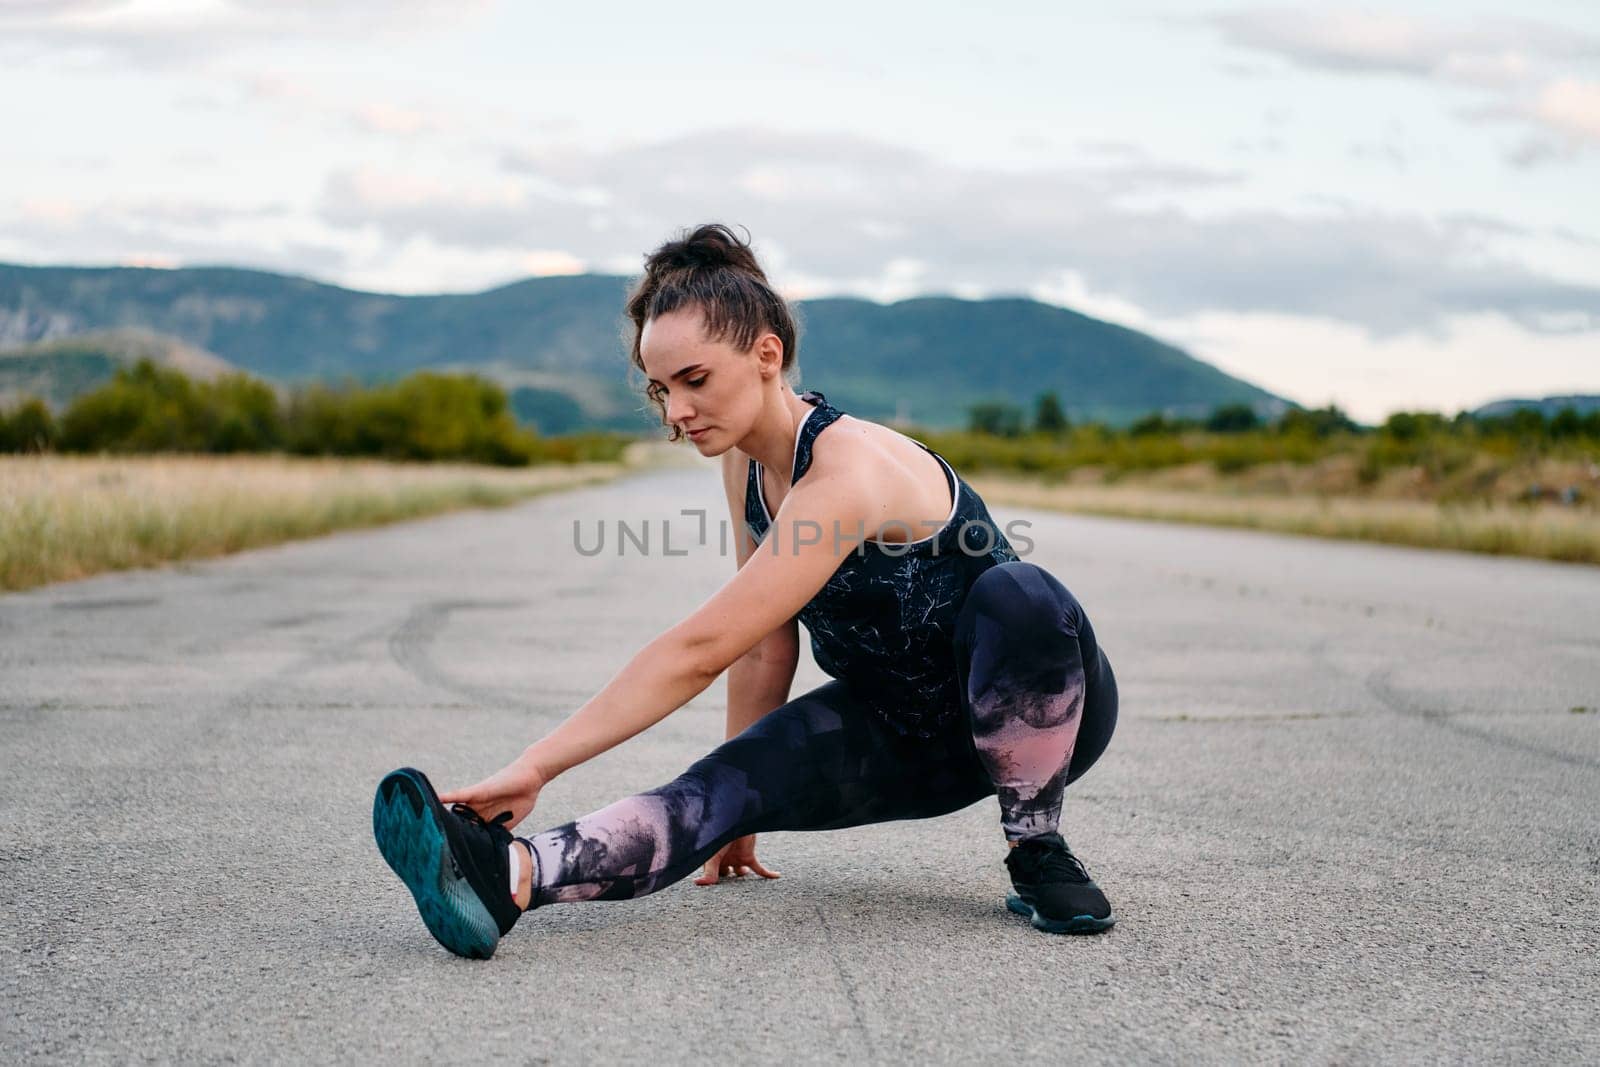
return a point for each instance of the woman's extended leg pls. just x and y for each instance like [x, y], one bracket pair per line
[819, 762]
[1041, 696]
[1042, 704]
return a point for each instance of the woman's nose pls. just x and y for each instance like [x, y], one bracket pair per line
[678, 410]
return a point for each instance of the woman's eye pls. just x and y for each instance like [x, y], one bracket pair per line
[700, 380]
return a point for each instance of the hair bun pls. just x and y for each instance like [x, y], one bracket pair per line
[707, 247]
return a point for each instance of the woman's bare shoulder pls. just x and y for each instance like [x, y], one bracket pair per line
[860, 447]
[904, 481]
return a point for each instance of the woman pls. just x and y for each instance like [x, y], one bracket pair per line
[960, 671]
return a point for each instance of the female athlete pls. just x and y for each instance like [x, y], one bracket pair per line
[959, 671]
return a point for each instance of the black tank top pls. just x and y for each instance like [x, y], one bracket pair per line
[884, 624]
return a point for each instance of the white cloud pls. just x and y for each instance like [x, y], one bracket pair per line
[1486, 51]
[170, 32]
[1572, 107]
[997, 231]
[1523, 63]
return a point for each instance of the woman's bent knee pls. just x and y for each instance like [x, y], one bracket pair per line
[1024, 595]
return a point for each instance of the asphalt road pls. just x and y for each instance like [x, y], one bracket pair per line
[1351, 813]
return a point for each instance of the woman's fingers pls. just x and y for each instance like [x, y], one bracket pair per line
[720, 867]
[709, 875]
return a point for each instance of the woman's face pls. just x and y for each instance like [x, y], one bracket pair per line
[708, 386]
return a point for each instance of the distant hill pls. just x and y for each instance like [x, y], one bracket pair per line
[1547, 406]
[556, 344]
[58, 370]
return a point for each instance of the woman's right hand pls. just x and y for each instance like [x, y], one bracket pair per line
[734, 860]
[514, 788]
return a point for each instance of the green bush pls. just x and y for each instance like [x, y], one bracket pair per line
[29, 428]
[1413, 425]
[1048, 416]
[143, 409]
[1233, 418]
[426, 416]
[1320, 423]
[995, 419]
[146, 408]
[241, 415]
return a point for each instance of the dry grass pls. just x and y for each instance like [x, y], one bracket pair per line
[1545, 531]
[64, 517]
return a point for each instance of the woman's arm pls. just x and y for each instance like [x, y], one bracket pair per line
[759, 680]
[662, 677]
[766, 593]
[791, 565]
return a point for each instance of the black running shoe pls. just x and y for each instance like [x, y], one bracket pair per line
[1053, 888]
[454, 863]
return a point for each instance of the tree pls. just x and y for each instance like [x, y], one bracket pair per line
[1233, 418]
[998, 419]
[1411, 425]
[30, 428]
[1566, 423]
[1154, 424]
[1319, 422]
[1048, 416]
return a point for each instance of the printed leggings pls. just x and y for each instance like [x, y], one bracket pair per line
[1040, 703]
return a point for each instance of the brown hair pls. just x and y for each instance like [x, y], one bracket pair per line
[710, 268]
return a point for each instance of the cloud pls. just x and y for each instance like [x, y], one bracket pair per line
[175, 32]
[1487, 52]
[1525, 65]
[167, 231]
[1570, 106]
[855, 215]
[386, 118]
[52, 8]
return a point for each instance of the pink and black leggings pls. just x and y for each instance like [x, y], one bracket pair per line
[1040, 703]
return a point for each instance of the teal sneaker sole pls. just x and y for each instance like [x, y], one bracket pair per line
[407, 821]
[1078, 924]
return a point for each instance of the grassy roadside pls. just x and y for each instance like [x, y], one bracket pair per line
[65, 517]
[1539, 531]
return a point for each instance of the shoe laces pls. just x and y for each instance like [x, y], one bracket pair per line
[1055, 862]
[493, 827]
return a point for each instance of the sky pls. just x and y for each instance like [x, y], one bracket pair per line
[1385, 209]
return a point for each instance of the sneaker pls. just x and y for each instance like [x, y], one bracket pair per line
[454, 863]
[1054, 890]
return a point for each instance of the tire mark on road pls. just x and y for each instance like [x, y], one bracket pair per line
[850, 995]
[410, 646]
[1378, 683]
[107, 603]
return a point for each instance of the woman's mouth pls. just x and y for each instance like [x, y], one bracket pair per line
[695, 435]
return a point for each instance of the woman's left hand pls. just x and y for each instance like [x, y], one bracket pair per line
[735, 859]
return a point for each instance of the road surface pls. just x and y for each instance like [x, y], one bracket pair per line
[1351, 812]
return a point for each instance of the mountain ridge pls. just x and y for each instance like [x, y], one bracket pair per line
[557, 343]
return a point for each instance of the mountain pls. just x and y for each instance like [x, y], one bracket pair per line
[1547, 406]
[60, 369]
[556, 343]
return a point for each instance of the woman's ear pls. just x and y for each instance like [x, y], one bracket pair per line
[769, 355]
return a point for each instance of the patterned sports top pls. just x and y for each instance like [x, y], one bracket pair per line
[884, 624]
